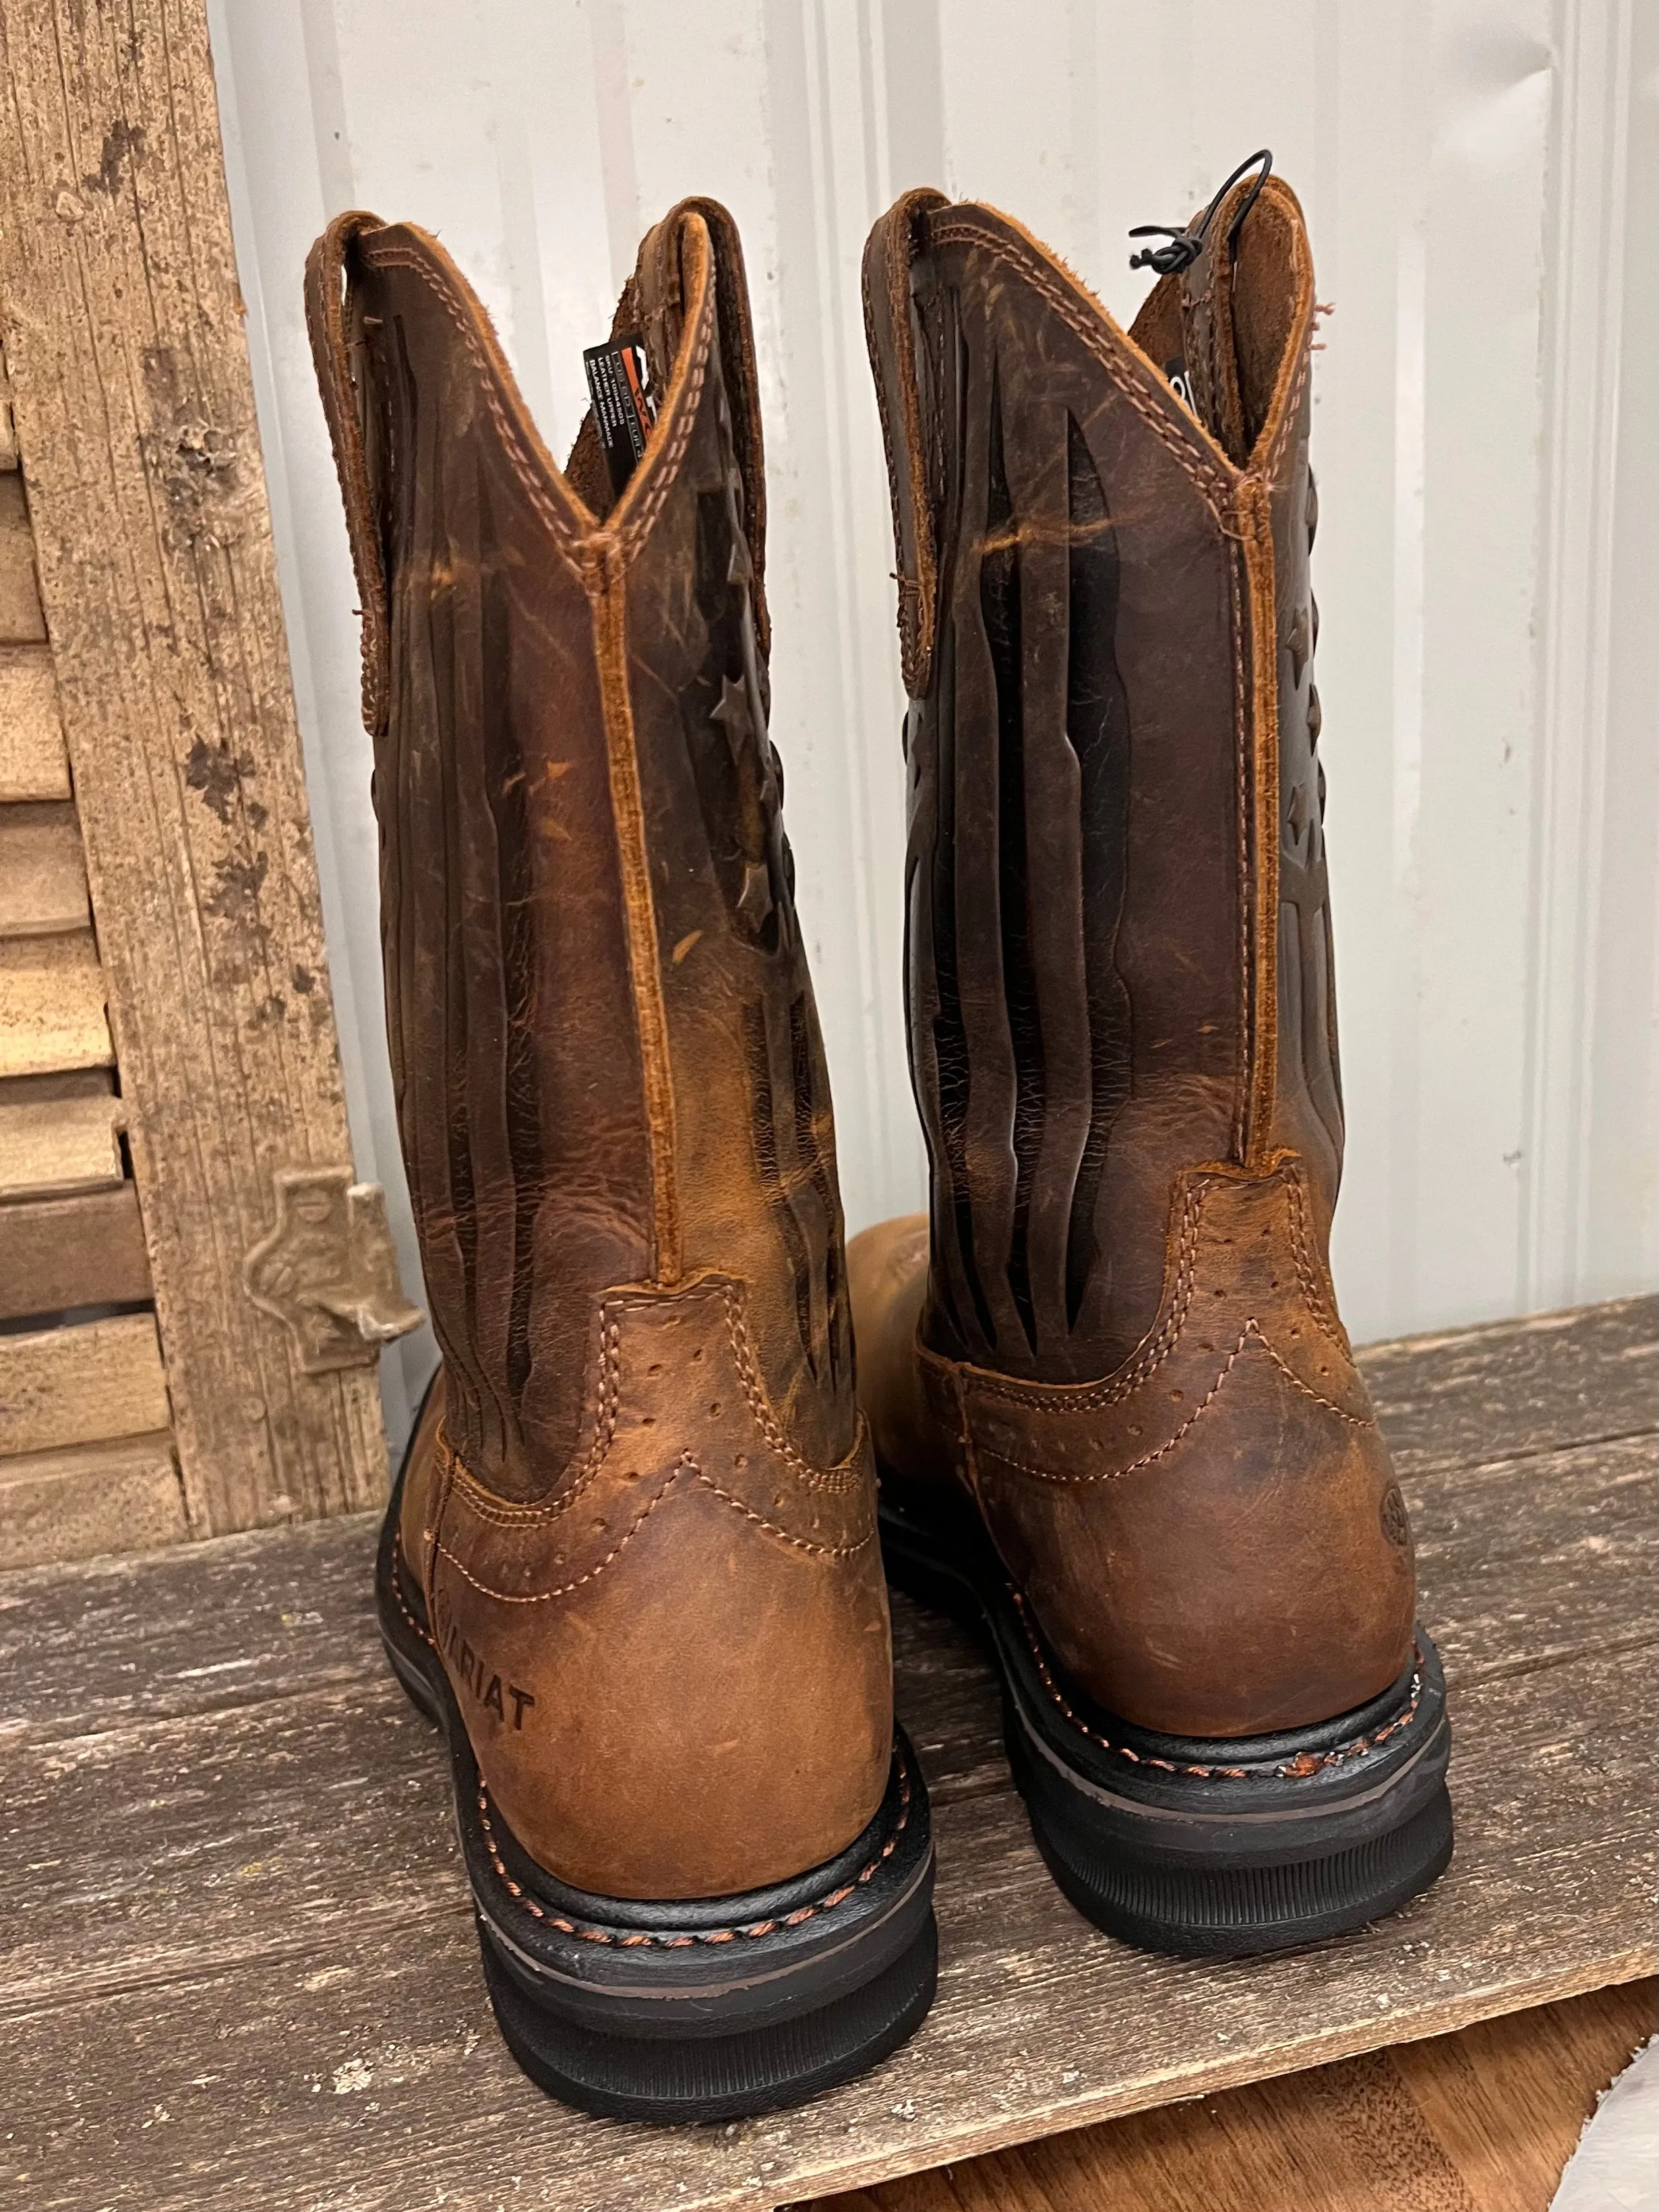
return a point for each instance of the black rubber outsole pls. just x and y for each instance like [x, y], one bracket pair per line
[1200, 1849]
[684, 2011]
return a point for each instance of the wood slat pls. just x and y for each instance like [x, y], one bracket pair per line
[121, 1497]
[283, 1962]
[22, 622]
[51, 1005]
[81, 1385]
[33, 758]
[9, 458]
[59, 1253]
[123, 334]
[49, 1148]
[1481, 2121]
[1517, 1386]
[43, 874]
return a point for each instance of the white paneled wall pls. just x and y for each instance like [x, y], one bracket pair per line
[1479, 179]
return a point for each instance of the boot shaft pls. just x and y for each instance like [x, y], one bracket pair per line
[1114, 973]
[607, 1056]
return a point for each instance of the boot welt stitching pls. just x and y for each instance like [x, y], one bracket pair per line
[644, 1939]
[1251, 1332]
[1305, 1765]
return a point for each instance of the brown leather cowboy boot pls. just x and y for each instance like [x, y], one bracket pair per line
[630, 1566]
[1115, 1409]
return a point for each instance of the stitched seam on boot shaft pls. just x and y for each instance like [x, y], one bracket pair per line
[1072, 1397]
[644, 1937]
[1262, 970]
[685, 1462]
[567, 539]
[1241, 836]
[1303, 1768]
[606, 567]
[1147, 1362]
[1313, 1276]
[842, 1474]
[906, 584]
[1252, 1332]
[325, 283]
[1096, 335]
[484, 1504]
[603, 576]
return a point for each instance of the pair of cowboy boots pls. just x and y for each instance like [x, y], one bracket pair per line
[631, 1563]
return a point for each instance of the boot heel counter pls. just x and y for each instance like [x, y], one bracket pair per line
[1228, 1489]
[693, 1622]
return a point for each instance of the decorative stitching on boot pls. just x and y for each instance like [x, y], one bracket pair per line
[800, 1543]
[643, 1939]
[563, 1590]
[505, 1513]
[567, 536]
[1270, 459]
[1298, 1769]
[686, 1463]
[1309, 1274]
[1147, 1362]
[1234, 555]
[843, 1473]
[1207, 479]
[1251, 1332]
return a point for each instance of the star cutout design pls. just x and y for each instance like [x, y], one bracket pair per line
[1300, 643]
[755, 899]
[734, 717]
[1297, 814]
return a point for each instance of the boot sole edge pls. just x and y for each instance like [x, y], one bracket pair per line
[712, 2066]
[1226, 1870]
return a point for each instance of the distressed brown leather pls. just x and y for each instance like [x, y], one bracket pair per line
[640, 1508]
[1121, 1016]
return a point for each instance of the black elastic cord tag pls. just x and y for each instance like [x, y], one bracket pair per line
[625, 404]
[1185, 246]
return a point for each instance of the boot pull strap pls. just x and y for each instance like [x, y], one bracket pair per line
[328, 301]
[896, 244]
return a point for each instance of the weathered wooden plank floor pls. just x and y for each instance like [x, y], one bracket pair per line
[236, 1959]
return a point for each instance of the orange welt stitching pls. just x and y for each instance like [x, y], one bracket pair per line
[715, 1936]
[1296, 1770]
[644, 1939]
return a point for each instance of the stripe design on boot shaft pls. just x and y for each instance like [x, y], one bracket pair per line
[1061, 1082]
